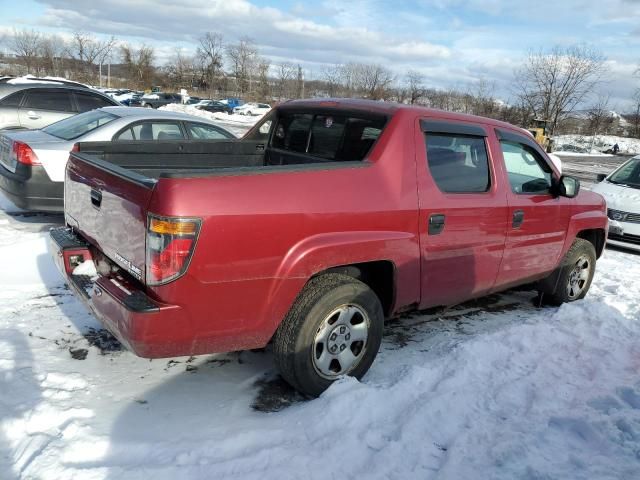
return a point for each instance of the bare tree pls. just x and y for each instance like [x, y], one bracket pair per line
[263, 80]
[180, 69]
[243, 57]
[415, 86]
[285, 74]
[373, 80]
[25, 44]
[635, 117]
[87, 53]
[138, 64]
[333, 76]
[482, 99]
[51, 55]
[599, 115]
[210, 53]
[554, 83]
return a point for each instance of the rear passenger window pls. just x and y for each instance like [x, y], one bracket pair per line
[126, 135]
[327, 137]
[292, 132]
[59, 100]
[155, 131]
[12, 100]
[87, 102]
[458, 163]
[528, 172]
[201, 131]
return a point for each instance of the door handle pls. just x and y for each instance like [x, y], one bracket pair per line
[33, 115]
[436, 224]
[96, 197]
[518, 218]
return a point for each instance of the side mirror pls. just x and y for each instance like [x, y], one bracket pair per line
[600, 177]
[568, 186]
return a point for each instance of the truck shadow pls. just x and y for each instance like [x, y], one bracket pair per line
[243, 387]
[20, 393]
[86, 326]
[34, 221]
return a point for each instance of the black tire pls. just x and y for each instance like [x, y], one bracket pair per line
[295, 340]
[558, 285]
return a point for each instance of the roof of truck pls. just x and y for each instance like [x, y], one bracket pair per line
[390, 108]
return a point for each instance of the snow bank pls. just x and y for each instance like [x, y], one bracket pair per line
[581, 144]
[238, 124]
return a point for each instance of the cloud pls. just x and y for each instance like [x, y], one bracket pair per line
[273, 29]
[453, 42]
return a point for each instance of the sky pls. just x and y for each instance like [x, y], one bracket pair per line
[454, 43]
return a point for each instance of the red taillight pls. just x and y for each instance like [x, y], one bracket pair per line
[75, 148]
[170, 244]
[24, 154]
[169, 262]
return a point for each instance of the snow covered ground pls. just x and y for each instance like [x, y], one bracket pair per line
[496, 388]
[237, 124]
[586, 144]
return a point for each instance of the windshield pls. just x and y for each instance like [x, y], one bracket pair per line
[628, 174]
[78, 125]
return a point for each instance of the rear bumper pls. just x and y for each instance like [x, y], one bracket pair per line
[144, 326]
[31, 189]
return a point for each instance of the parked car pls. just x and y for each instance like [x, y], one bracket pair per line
[155, 100]
[326, 218]
[252, 109]
[621, 189]
[30, 104]
[214, 106]
[32, 162]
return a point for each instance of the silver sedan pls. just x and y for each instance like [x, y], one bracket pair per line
[32, 162]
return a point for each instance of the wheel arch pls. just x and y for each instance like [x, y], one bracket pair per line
[388, 262]
[597, 236]
[378, 275]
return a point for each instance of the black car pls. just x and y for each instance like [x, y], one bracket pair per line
[213, 106]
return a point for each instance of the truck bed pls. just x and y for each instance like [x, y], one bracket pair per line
[151, 160]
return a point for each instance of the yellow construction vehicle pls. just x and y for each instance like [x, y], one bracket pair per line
[539, 132]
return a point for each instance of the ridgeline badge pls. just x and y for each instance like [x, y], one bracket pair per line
[133, 270]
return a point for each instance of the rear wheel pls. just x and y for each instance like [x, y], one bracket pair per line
[333, 329]
[574, 276]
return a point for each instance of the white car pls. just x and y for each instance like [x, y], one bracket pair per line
[252, 109]
[32, 162]
[621, 190]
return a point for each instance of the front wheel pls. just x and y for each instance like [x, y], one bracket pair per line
[333, 329]
[573, 277]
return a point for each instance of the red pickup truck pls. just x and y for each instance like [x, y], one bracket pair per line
[323, 220]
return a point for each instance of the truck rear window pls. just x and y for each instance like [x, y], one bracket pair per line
[327, 136]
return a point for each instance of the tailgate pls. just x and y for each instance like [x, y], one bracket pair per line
[107, 205]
